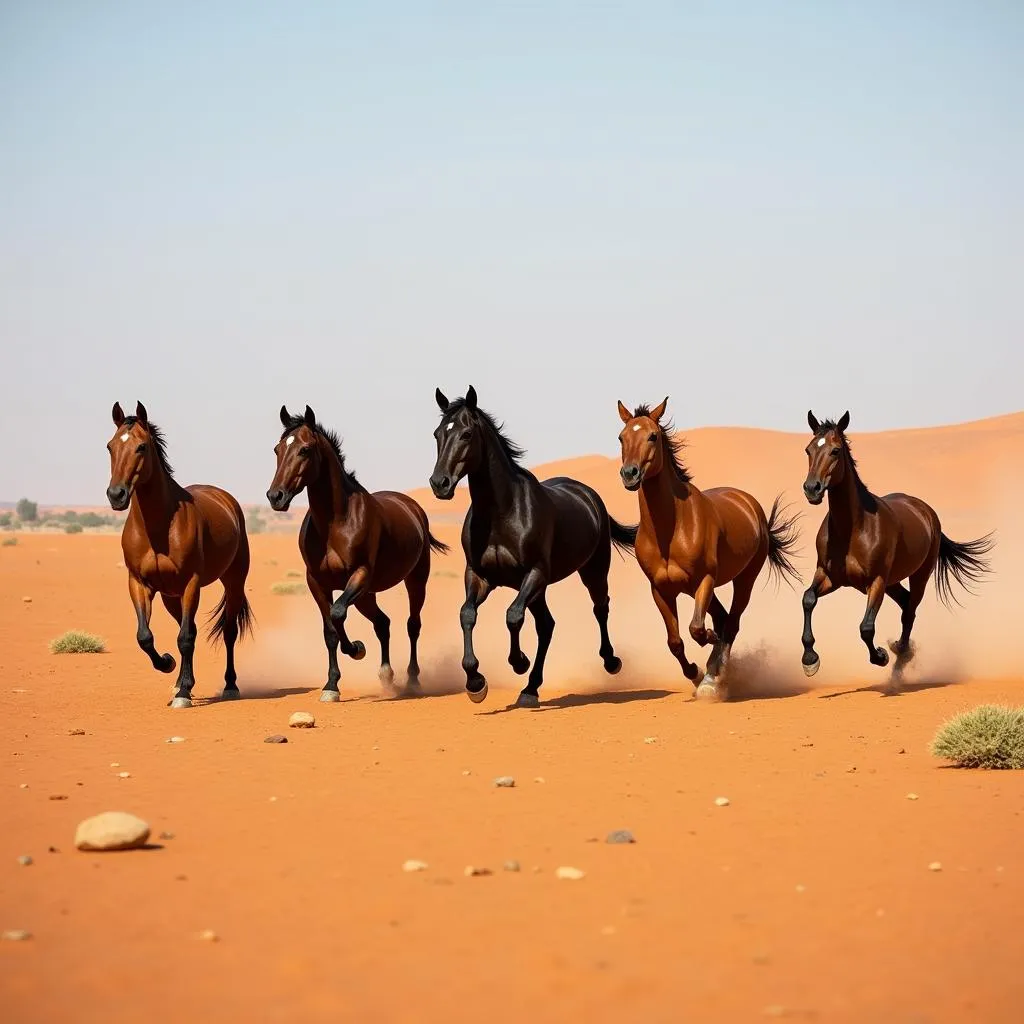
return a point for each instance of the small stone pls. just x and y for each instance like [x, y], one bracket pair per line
[124, 775]
[76, 732]
[620, 836]
[27, 600]
[301, 720]
[902, 750]
[115, 764]
[466, 772]
[166, 835]
[911, 796]
[569, 874]
[935, 865]
[276, 738]
[415, 865]
[852, 768]
[650, 739]
[504, 782]
[540, 779]
[721, 801]
[176, 739]
[23, 785]
[510, 865]
[17, 935]
[112, 830]
[58, 796]
[471, 872]
[24, 860]
[209, 936]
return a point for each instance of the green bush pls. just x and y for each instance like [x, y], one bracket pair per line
[73, 528]
[6, 520]
[989, 736]
[8, 542]
[288, 587]
[28, 511]
[77, 642]
[71, 516]
[91, 519]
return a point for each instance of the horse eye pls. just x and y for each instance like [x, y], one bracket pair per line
[305, 451]
[140, 449]
[652, 438]
[465, 435]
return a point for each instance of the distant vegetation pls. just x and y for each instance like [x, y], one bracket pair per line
[77, 642]
[8, 542]
[292, 574]
[73, 528]
[6, 520]
[254, 522]
[27, 517]
[985, 737]
[28, 511]
[288, 587]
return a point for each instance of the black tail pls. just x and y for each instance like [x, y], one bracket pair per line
[782, 541]
[244, 620]
[436, 546]
[966, 563]
[623, 537]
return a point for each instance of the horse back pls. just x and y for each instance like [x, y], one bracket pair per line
[581, 524]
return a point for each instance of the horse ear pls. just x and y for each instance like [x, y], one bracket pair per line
[118, 414]
[471, 398]
[844, 421]
[659, 410]
[624, 414]
[441, 399]
[286, 420]
[812, 421]
[310, 418]
[141, 414]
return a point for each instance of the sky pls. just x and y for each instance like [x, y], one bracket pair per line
[753, 207]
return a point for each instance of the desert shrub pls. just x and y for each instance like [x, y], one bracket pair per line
[28, 511]
[71, 516]
[989, 736]
[6, 520]
[254, 521]
[292, 574]
[73, 528]
[288, 587]
[8, 542]
[446, 574]
[77, 642]
[91, 519]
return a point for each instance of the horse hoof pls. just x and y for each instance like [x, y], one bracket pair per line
[167, 664]
[358, 650]
[520, 665]
[387, 677]
[527, 700]
[812, 669]
[181, 702]
[230, 695]
[690, 671]
[477, 696]
[881, 658]
[329, 696]
[708, 689]
[613, 665]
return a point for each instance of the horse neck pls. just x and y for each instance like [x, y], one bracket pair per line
[492, 483]
[664, 496]
[329, 496]
[155, 502]
[845, 506]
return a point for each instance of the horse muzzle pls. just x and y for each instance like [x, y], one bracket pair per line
[280, 501]
[443, 486]
[119, 496]
[632, 477]
[814, 491]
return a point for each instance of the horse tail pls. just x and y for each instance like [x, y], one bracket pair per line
[967, 563]
[437, 546]
[219, 619]
[782, 541]
[623, 537]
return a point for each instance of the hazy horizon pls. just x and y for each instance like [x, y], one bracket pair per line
[218, 209]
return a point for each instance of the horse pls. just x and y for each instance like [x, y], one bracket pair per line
[353, 541]
[521, 533]
[177, 540]
[872, 543]
[692, 541]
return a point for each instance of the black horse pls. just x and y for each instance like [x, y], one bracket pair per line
[521, 533]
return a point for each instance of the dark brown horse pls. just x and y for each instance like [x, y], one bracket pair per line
[177, 540]
[873, 543]
[352, 541]
[692, 541]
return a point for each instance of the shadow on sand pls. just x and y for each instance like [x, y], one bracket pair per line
[888, 689]
[579, 700]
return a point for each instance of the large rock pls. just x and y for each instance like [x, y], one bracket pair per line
[112, 830]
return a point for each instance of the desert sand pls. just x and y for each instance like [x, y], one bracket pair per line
[809, 897]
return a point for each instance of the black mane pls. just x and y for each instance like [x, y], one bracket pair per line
[866, 497]
[674, 444]
[294, 422]
[159, 442]
[512, 451]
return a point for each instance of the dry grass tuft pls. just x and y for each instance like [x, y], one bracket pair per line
[286, 587]
[989, 736]
[77, 642]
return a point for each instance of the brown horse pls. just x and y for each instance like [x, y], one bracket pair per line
[873, 543]
[177, 540]
[359, 543]
[692, 541]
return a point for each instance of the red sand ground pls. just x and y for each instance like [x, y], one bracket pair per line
[809, 897]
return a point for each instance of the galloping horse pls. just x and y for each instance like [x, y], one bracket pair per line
[872, 543]
[521, 533]
[177, 540]
[691, 541]
[359, 543]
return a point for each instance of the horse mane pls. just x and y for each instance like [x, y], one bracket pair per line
[159, 442]
[866, 497]
[331, 437]
[673, 443]
[513, 452]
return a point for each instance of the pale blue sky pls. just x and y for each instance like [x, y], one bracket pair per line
[755, 207]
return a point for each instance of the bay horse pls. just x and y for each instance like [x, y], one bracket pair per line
[353, 541]
[521, 533]
[177, 540]
[872, 543]
[691, 541]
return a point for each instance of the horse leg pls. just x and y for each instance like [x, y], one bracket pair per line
[742, 588]
[532, 587]
[142, 599]
[355, 649]
[876, 593]
[416, 588]
[701, 602]
[666, 603]
[477, 590]
[187, 645]
[719, 651]
[322, 595]
[234, 601]
[367, 605]
[820, 586]
[595, 578]
[908, 600]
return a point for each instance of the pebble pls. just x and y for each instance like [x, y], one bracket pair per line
[911, 796]
[721, 801]
[124, 775]
[569, 874]
[415, 865]
[540, 779]
[466, 772]
[115, 764]
[166, 835]
[472, 872]
[27, 600]
[24, 860]
[58, 796]
[619, 836]
[176, 739]
[650, 739]
[17, 935]
[209, 936]
[76, 732]
[510, 865]
[504, 782]
[276, 738]
[301, 720]
[23, 785]
[935, 865]
[112, 830]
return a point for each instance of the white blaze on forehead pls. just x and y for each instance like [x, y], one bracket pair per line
[821, 442]
[450, 425]
[124, 438]
[290, 439]
[636, 426]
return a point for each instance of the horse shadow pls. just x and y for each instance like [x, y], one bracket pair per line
[580, 700]
[887, 689]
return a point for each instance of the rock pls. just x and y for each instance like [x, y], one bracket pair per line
[510, 865]
[17, 935]
[415, 865]
[935, 866]
[166, 835]
[466, 771]
[721, 801]
[176, 739]
[23, 785]
[58, 796]
[504, 782]
[124, 775]
[472, 872]
[911, 796]
[650, 739]
[301, 720]
[619, 836]
[276, 738]
[569, 874]
[76, 732]
[112, 830]
[27, 600]
[24, 860]
[539, 779]
[209, 936]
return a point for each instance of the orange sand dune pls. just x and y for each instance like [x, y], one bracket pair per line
[809, 897]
